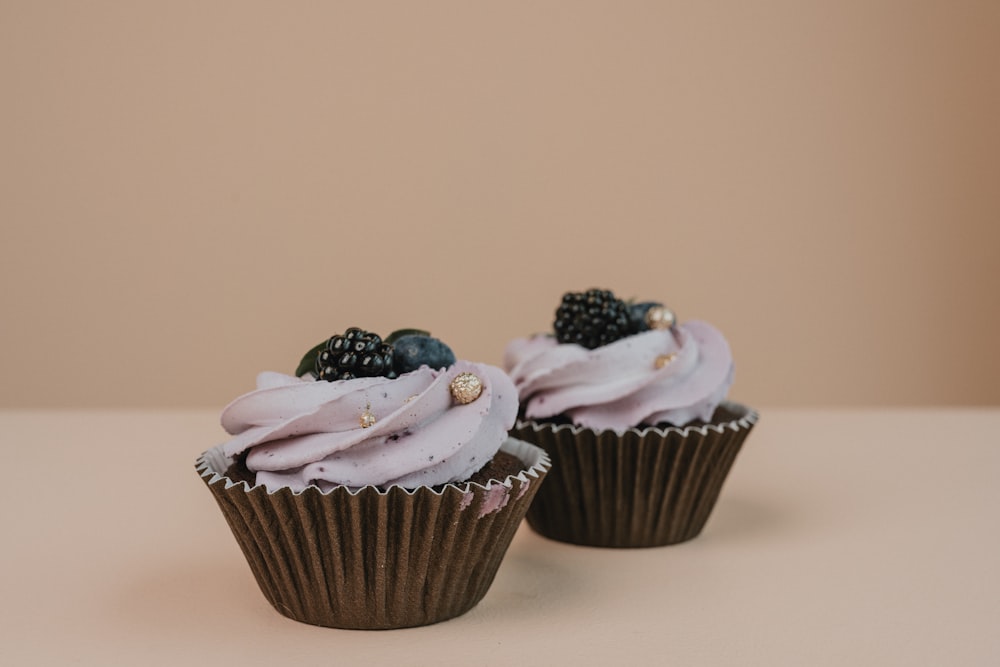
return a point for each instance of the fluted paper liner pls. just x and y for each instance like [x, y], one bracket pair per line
[643, 488]
[376, 559]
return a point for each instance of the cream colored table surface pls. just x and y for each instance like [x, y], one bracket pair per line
[841, 538]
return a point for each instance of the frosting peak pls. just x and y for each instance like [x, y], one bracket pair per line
[671, 375]
[406, 431]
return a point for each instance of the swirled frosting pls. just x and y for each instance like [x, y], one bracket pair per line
[301, 432]
[666, 375]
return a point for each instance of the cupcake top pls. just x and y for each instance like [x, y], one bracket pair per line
[612, 365]
[362, 411]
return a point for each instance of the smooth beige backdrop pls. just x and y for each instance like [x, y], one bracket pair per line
[191, 192]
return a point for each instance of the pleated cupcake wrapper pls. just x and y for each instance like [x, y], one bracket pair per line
[371, 559]
[643, 488]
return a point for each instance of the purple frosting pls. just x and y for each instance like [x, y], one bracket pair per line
[621, 385]
[301, 432]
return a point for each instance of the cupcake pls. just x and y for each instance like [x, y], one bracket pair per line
[377, 487]
[630, 405]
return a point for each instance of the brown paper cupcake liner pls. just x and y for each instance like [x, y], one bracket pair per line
[376, 559]
[643, 488]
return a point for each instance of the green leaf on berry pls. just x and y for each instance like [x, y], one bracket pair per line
[308, 363]
[396, 335]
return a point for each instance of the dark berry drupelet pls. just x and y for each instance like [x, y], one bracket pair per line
[357, 353]
[592, 318]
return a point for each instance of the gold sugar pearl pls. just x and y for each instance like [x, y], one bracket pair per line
[665, 359]
[660, 317]
[466, 387]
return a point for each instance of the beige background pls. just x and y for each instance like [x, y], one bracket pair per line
[191, 192]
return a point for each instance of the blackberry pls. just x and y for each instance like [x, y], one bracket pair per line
[591, 319]
[356, 353]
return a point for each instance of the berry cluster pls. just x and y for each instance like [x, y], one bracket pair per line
[358, 353]
[597, 317]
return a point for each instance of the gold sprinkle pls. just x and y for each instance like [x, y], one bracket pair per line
[367, 418]
[411, 398]
[660, 317]
[466, 387]
[665, 359]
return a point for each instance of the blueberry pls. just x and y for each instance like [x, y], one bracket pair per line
[637, 314]
[413, 351]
